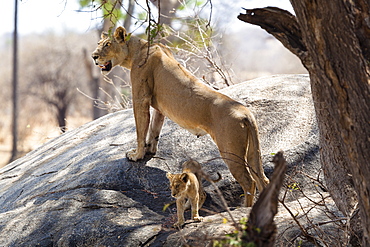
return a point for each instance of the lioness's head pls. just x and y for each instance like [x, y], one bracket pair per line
[111, 51]
[178, 183]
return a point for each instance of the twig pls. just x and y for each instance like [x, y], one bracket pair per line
[219, 193]
[303, 230]
[201, 50]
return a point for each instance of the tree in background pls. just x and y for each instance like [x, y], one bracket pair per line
[332, 39]
[167, 10]
[15, 85]
[112, 11]
[56, 75]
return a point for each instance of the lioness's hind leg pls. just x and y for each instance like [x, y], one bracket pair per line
[233, 147]
[154, 131]
[242, 174]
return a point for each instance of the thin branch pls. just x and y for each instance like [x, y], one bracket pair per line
[201, 50]
[210, 14]
[219, 193]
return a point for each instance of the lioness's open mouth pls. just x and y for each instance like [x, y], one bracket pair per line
[106, 67]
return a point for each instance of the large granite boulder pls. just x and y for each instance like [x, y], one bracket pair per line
[79, 189]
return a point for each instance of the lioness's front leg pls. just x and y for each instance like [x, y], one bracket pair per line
[142, 118]
[155, 129]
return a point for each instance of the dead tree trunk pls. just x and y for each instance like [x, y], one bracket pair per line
[261, 229]
[93, 83]
[61, 115]
[332, 39]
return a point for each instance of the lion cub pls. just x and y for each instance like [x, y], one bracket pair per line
[185, 186]
[194, 167]
[188, 185]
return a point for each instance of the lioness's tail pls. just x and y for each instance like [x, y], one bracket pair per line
[254, 158]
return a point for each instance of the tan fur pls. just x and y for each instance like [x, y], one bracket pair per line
[158, 80]
[195, 168]
[185, 186]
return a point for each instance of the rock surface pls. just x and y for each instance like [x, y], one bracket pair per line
[80, 190]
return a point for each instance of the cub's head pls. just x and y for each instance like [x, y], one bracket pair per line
[178, 183]
[111, 51]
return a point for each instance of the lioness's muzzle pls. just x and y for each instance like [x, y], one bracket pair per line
[95, 57]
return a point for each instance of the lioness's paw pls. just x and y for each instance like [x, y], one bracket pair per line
[133, 155]
[199, 218]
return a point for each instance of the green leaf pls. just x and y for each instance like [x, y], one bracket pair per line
[191, 3]
[84, 3]
[128, 37]
[166, 206]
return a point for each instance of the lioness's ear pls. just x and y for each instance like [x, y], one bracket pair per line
[184, 177]
[104, 35]
[120, 34]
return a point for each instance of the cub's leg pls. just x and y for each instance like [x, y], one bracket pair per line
[202, 199]
[142, 118]
[154, 131]
[180, 203]
[195, 208]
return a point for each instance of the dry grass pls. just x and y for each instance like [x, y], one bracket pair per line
[33, 135]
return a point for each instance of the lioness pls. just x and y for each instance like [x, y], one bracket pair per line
[185, 186]
[158, 80]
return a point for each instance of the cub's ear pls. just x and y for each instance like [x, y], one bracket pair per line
[184, 177]
[169, 175]
[104, 35]
[120, 34]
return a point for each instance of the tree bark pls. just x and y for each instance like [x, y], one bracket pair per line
[332, 39]
[61, 117]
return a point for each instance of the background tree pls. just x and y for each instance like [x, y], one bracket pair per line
[167, 10]
[332, 39]
[15, 85]
[55, 76]
[112, 11]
